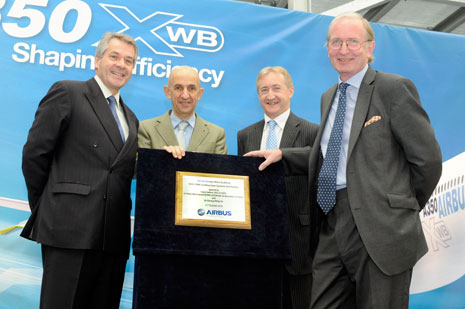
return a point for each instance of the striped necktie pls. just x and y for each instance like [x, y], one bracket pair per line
[112, 104]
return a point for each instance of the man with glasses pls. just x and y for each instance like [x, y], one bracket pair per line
[377, 164]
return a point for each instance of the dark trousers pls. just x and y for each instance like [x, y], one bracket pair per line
[297, 291]
[75, 279]
[344, 275]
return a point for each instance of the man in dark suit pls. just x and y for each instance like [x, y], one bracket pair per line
[78, 163]
[275, 90]
[388, 163]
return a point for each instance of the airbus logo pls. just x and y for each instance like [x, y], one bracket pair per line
[164, 34]
[437, 234]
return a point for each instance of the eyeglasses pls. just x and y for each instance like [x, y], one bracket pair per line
[352, 44]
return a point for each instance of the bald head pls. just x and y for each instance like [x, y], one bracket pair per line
[184, 91]
[184, 70]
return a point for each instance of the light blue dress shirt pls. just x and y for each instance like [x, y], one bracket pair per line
[351, 99]
[175, 120]
[280, 124]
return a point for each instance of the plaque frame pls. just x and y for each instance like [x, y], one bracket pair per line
[179, 220]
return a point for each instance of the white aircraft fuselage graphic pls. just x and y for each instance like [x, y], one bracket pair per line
[443, 224]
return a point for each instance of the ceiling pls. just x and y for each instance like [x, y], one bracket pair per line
[435, 15]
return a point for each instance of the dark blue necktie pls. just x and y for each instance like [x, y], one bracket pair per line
[112, 103]
[326, 195]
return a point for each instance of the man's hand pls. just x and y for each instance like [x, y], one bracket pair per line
[177, 151]
[271, 156]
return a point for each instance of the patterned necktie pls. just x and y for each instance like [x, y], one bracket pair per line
[272, 141]
[326, 195]
[180, 134]
[112, 104]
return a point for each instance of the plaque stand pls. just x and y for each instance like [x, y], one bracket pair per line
[204, 267]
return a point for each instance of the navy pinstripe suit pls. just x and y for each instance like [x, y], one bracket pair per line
[297, 133]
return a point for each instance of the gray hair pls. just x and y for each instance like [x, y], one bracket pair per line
[103, 44]
[354, 15]
[277, 69]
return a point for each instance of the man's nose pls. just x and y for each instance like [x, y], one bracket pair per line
[344, 47]
[185, 93]
[120, 62]
[270, 94]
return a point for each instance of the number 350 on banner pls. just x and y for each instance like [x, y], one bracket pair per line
[27, 20]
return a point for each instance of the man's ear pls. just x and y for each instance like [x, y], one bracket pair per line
[166, 89]
[200, 94]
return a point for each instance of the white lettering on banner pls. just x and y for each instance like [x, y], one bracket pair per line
[180, 32]
[207, 38]
[204, 38]
[145, 67]
[160, 31]
[37, 19]
[163, 34]
[25, 53]
[57, 20]
[2, 3]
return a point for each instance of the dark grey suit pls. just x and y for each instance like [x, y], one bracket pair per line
[393, 166]
[297, 133]
[78, 172]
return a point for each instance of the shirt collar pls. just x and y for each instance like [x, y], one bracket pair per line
[175, 120]
[106, 92]
[281, 119]
[356, 80]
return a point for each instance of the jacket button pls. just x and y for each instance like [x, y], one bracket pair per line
[95, 145]
[104, 196]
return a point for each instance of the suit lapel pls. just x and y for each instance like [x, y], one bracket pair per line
[199, 134]
[290, 132]
[131, 138]
[100, 106]
[131, 120]
[361, 108]
[254, 140]
[326, 102]
[165, 130]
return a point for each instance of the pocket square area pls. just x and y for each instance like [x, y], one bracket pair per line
[372, 119]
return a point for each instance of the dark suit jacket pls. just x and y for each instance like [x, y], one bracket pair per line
[393, 166]
[78, 172]
[297, 133]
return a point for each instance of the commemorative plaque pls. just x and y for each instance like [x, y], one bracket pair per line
[212, 200]
[209, 218]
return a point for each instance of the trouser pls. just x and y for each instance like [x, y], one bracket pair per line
[344, 275]
[75, 278]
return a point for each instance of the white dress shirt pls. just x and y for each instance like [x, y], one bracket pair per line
[119, 109]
